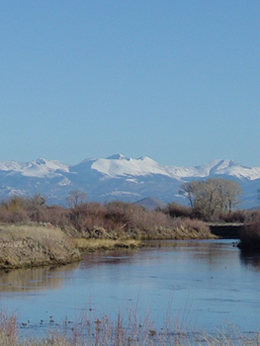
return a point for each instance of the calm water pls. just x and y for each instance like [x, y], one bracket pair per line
[207, 284]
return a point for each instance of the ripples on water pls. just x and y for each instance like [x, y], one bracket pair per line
[203, 283]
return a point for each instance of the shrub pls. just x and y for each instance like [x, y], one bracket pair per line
[85, 216]
[177, 210]
[112, 220]
[250, 236]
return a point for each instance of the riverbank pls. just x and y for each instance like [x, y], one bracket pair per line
[35, 245]
[228, 230]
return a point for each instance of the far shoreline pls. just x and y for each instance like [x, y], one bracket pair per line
[40, 245]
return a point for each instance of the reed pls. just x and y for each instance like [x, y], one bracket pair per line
[125, 329]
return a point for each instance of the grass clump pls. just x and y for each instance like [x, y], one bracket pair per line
[105, 244]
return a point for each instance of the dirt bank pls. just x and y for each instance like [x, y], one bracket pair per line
[31, 253]
[31, 246]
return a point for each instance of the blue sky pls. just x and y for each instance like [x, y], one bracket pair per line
[174, 80]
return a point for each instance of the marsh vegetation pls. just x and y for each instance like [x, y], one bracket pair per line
[43, 234]
[33, 233]
[132, 331]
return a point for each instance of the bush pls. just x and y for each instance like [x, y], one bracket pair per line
[112, 220]
[176, 210]
[250, 236]
[85, 216]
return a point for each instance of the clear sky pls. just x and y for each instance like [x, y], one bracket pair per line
[177, 81]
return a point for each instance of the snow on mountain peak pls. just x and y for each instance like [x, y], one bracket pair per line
[224, 164]
[37, 168]
[119, 165]
[117, 177]
[232, 168]
[40, 161]
[117, 157]
[147, 159]
[11, 165]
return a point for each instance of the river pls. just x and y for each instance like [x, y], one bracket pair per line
[204, 284]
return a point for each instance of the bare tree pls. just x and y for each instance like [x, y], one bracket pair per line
[231, 190]
[37, 201]
[211, 196]
[189, 191]
[76, 198]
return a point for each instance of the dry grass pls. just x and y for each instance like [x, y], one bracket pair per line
[129, 329]
[36, 232]
[36, 240]
[114, 220]
[30, 246]
[105, 244]
[8, 327]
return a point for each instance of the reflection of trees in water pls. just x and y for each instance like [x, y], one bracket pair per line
[31, 279]
[120, 256]
[250, 259]
[107, 258]
[215, 251]
[204, 251]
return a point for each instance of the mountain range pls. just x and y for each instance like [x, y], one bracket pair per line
[121, 178]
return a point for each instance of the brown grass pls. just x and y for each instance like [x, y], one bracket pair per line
[114, 220]
[8, 327]
[90, 329]
[104, 244]
[29, 246]
[118, 220]
[34, 234]
[115, 216]
[34, 231]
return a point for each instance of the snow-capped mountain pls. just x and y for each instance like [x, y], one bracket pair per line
[119, 177]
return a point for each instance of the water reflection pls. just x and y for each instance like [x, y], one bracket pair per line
[206, 251]
[209, 280]
[31, 279]
[113, 257]
[250, 259]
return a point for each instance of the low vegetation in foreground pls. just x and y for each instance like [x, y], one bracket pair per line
[90, 329]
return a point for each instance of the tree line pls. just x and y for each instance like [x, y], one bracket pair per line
[212, 196]
[211, 199]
